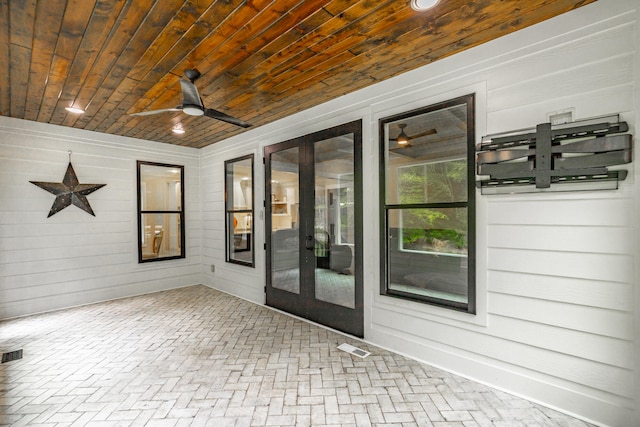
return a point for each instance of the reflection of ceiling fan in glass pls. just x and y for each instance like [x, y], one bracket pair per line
[403, 139]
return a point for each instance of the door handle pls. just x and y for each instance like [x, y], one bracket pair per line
[309, 243]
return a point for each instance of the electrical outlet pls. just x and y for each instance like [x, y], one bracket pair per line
[213, 268]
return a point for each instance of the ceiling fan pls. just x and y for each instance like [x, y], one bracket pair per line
[192, 103]
[403, 139]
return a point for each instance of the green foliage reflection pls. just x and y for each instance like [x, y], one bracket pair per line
[439, 230]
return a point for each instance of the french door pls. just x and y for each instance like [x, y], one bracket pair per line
[314, 227]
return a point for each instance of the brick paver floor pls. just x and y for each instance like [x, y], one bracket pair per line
[198, 357]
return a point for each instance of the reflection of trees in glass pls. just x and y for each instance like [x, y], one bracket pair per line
[433, 229]
[347, 208]
[346, 215]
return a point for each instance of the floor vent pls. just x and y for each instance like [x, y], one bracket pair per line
[353, 350]
[11, 356]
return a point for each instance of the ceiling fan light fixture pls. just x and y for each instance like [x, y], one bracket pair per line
[422, 5]
[74, 110]
[193, 110]
[403, 138]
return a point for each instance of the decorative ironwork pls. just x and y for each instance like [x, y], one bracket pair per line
[554, 154]
[69, 192]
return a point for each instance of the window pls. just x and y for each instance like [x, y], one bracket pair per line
[160, 212]
[238, 182]
[428, 204]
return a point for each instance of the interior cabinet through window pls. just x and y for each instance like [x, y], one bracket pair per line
[428, 204]
[160, 211]
[239, 210]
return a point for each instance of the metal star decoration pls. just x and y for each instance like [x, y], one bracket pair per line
[69, 191]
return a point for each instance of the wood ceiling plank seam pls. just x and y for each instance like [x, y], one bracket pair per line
[260, 63]
[77, 15]
[147, 99]
[22, 15]
[221, 83]
[163, 133]
[173, 33]
[225, 32]
[105, 21]
[127, 23]
[440, 48]
[326, 25]
[166, 122]
[58, 72]
[111, 94]
[390, 41]
[376, 58]
[237, 84]
[5, 60]
[137, 126]
[125, 105]
[197, 131]
[60, 80]
[367, 21]
[48, 20]
[247, 24]
[289, 67]
[461, 43]
[210, 38]
[289, 22]
[235, 45]
[340, 7]
[21, 26]
[165, 93]
[275, 57]
[155, 93]
[201, 127]
[314, 61]
[149, 29]
[290, 112]
[321, 32]
[19, 76]
[309, 69]
[99, 30]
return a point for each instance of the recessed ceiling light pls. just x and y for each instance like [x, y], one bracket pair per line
[74, 110]
[421, 5]
[178, 130]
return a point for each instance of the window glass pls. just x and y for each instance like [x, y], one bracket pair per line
[239, 210]
[161, 214]
[428, 169]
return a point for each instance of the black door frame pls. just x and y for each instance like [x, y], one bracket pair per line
[304, 304]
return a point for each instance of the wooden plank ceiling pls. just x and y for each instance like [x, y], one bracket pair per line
[260, 60]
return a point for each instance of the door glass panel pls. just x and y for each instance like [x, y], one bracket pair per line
[334, 226]
[285, 244]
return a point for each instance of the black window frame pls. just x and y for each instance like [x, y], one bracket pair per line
[470, 305]
[180, 213]
[230, 211]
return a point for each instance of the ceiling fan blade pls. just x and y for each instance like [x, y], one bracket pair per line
[150, 112]
[190, 95]
[418, 135]
[219, 115]
[425, 133]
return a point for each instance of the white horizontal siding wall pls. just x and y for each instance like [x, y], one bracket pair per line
[73, 258]
[557, 273]
[243, 281]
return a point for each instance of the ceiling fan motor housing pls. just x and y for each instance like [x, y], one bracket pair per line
[192, 110]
